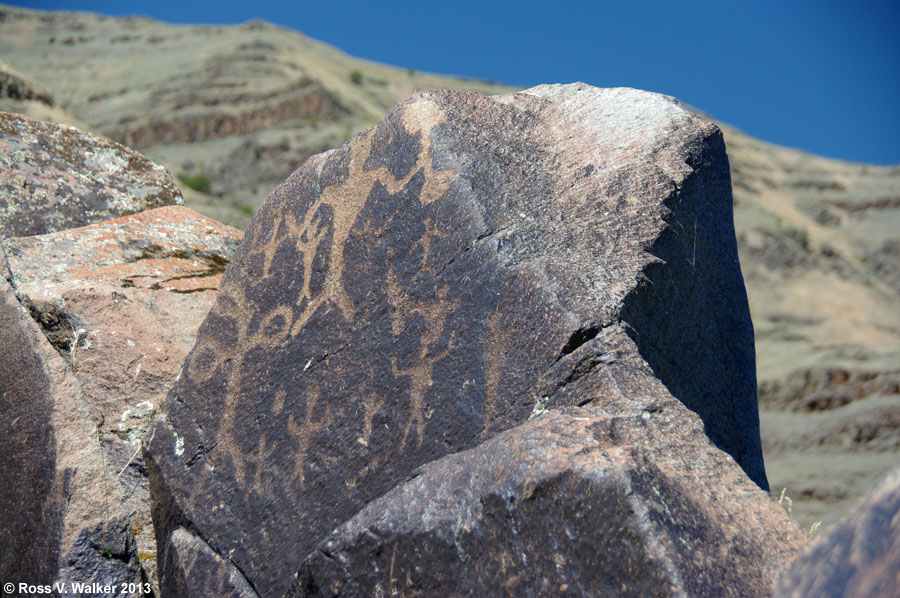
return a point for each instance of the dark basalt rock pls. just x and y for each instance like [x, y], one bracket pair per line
[31, 501]
[54, 177]
[859, 557]
[434, 282]
[577, 502]
[105, 555]
[196, 566]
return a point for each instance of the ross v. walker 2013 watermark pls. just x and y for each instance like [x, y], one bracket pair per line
[77, 588]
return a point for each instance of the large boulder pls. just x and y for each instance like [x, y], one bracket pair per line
[95, 321]
[433, 282]
[859, 557]
[54, 177]
[577, 502]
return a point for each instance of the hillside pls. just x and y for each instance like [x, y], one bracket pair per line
[238, 107]
[232, 111]
[820, 252]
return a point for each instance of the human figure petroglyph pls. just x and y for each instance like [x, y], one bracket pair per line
[316, 236]
[472, 257]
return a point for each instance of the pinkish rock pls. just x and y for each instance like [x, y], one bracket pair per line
[54, 177]
[122, 299]
[96, 322]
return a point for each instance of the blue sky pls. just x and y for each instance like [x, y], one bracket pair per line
[821, 76]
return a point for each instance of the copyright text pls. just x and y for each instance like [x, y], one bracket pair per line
[120, 589]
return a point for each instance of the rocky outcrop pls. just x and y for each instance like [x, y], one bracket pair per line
[817, 237]
[859, 557]
[54, 177]
[577, 502]
[831, 433]
[467, 263]
[16, 86]
[96, 321]
[306, 100]
[821, 389]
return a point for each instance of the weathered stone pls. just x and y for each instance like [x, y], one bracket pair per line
[577, 502]
[31, 498]
[54, 177]
[434, 282]
[95, 324]
[196, 566]
[122, 301]
[859, 557]
[56, 507]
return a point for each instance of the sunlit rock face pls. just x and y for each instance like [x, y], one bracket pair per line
[467, 263]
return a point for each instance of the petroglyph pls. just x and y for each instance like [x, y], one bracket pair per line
[304, 431]
[330, 219]
[371, 404]
[434, 313]
[346, 202]
[408, 295]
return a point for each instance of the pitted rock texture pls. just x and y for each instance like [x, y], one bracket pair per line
[859, 557]
[577, 502]
[54, 177]
[109, 311]
[435, 281]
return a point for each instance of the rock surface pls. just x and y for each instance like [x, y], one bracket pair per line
[859, 557]
[818, 238]
[54, 177]
[31, 499]
[577, 502]
[436, 281]
[61, 509]
[99, 319]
